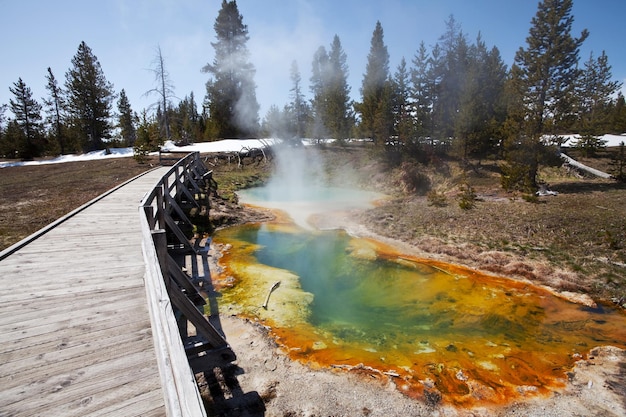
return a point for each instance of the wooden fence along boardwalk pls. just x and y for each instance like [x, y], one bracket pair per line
[77, 317]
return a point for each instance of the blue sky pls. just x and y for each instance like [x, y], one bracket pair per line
[124, 36]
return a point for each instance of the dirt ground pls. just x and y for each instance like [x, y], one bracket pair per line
[263, 381]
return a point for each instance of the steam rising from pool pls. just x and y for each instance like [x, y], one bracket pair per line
[299, 187]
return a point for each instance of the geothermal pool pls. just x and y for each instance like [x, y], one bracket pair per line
[355, 303]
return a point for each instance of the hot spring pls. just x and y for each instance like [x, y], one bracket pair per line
[353, 303]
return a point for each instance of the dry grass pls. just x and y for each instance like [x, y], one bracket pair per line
[575, 241]
[32, 197]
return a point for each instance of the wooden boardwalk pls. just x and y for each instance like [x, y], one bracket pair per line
[75, 335]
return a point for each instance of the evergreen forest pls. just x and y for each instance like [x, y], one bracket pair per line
[456, 98]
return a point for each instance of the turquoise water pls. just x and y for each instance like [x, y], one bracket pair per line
[351, 301]
[369, 300]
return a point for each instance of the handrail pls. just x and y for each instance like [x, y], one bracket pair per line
[182, 398]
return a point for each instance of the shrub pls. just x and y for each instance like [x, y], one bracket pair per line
[467, 197]
[140, 153]
[413, 180]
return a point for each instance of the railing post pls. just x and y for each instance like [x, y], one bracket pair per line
[161, 204]
[160, 244]
[149, 213]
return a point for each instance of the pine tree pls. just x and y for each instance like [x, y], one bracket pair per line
[231, 93]
[595, 91]
[126, 120]
[422, 91]
[276, 122]
[383, 117]
[373, 89]
[89, 99]
[298, 107]
[404, 126]
[192, 124]
[453, 72]
[148, 137]
[27, 114]
[618, 115]
[55, 105]
[331, 105]
[546, 71]
[186, 123]
[319, 87]
[481, 111]
[338, 117]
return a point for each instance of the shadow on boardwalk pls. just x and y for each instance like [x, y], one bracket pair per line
[216, 371]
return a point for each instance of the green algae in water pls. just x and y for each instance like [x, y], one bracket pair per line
[406, 314]
[374, 292]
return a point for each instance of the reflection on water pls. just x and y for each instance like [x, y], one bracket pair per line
[345, 301]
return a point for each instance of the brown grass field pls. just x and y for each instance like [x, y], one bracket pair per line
[575, 241]
[32, 197]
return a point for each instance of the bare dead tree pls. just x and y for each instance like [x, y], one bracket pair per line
[164, 90]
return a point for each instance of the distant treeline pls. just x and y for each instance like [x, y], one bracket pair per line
[457, 97]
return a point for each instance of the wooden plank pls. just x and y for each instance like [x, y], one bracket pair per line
[28, 309]
[58, 384]
[64, 323]
[136, 398]
[75, 335]
[90, 351]
[94, 312]
[39, 347]
[96, 288]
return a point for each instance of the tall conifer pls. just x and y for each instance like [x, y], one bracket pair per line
[27, 112]
[339, 119]
[298, 107]
[231, 93]
[126, 120]
[89, 98]
[422, 91]
[596, 89]
[373, 88]
[402, 107]
[55, 104]
[546, 71]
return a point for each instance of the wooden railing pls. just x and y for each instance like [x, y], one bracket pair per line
[169, 288]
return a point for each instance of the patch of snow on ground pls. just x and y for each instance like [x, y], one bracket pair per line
[102, 154]
[225, 145]
[611, 140]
